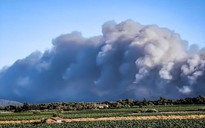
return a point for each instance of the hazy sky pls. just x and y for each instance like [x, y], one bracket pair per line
[29, 25]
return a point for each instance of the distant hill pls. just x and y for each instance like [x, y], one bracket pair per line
[9, 102]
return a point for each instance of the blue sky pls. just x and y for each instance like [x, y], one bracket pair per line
[30, 25]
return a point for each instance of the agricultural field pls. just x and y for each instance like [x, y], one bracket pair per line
[185, 123]
[163, 110]
[110, 118]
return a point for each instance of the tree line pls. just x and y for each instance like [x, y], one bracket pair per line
[125, 103]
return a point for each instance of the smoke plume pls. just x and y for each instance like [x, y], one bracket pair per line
[128, 60]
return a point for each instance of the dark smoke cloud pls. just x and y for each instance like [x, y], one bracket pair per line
[129, 60]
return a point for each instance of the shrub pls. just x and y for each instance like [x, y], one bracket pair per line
[151, 111]
[37, 112]
[147, 111]
[201, 109]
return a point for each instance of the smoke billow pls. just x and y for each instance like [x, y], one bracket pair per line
[128, 60]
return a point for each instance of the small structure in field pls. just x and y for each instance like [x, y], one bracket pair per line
[53, 120]
[101, 106]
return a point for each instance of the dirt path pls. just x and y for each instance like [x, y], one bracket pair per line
[19, 121]
[137, 118]
[115, 118]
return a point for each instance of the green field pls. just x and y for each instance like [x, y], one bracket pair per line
[185, 123]
[177, 110]
[163, 110]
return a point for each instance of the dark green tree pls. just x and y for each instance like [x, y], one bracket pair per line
[25, 107]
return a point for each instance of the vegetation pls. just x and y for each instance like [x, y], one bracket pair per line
[120, 108]
[127, 103]
[184, 123]
[144, 111]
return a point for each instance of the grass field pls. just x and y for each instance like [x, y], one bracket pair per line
[185, 123]
[163, 110]
[124, 112]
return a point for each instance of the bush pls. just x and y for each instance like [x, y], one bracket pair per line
[201, 109]
[147, 111]
[151, 111]
[54, 115]
[37, 112]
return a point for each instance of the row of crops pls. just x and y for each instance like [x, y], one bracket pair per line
[175, 110]
[89, 115]
[184, 123]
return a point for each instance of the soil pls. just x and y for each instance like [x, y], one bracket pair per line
[137, 118]
[114, 118]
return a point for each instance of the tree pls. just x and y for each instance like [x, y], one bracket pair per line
[145, 102]
[162, 101]
[25, 107]
[200, 99]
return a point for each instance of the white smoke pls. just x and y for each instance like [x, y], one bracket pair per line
[129, 60]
